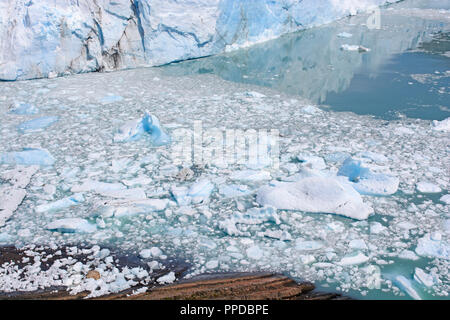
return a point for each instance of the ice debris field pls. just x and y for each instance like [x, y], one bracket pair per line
[358, 205]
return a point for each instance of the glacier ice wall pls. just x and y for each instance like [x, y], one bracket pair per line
[47, 38]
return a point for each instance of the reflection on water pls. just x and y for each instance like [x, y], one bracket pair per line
[407, 70]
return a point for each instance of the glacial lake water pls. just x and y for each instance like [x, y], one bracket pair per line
[405, 73]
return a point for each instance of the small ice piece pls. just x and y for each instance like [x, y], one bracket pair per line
[212, 264]
[61, 204]
[337, 157]
[345, 35]
[199, 192]
[234, 190]
[406, 225]
[121, 208]
[168, 278]
[375, 157]
[110, 98]
[152, 252]
[353, 259]
[23, 108]
[97, 186]
[72, 225]
[310, 109]
[407, 286]
[282, 235]
[443, 125]
[445, 199]
[254, 94]
[130, 194]
[359, 48]
[423, 278]
[37, 124]
[314, 162]
[254, 252]
[408, 255]
[28, 157]
[358, 244]
[315, 194]
[251, 217]
[307, 259]
[427, 187]
[366, 182]
[250, 175]
[377, 228]
[4, 237]
[432, 246]
[308, 245]
[135, 129]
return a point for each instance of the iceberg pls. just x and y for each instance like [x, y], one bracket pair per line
[315, 194]
[433, 246]
[365, 181]
[28, 157]
[61, 204]
[72, 225]
[135, 130]
[251, 217]
[198, 192]
[37, 124]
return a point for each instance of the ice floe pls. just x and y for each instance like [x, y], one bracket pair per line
[28, 156]
[37, 124]
[71, 225]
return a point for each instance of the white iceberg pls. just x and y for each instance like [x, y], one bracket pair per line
[72, 225]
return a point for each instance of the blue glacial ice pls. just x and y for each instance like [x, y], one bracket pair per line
[37, 124]
[199, 192]
[27, 157]
[365, 181]
[61, 204]
[136, 129]
[72, 225]
[112, 35]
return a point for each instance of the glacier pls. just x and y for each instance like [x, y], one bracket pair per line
[53, 38]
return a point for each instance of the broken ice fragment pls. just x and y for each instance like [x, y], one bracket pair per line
[168, 278]
[250, 175]
[198, 192]
[314, 162]
[427, 187]
[110, 98]
[407, 286]
[72, 225]
[432, 246]
[443, 125]
[61, 204]
[315, 194]
[234, 190]
[23, 108]
[37, 124]
[353, 259]
[135, 129]
[359, 48]
[254, 252]
[366, 182]
[251, 217]
[28, 156]
[423, 278]
[345, 35]
[10, 199]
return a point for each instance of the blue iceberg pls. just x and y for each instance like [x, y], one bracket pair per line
[28, 157]
[37, 124]
[136, 129]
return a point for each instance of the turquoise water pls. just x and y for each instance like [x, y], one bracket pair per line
[406, 72]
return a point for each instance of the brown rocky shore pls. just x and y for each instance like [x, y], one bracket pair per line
[217, 286]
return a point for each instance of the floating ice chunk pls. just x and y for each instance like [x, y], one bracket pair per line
[408, 255]
[199, 192]
[338, 157]
[10, 199]
[254, 252]
[282, 235]
[308, 245]
[121, 208]
[254, 94]
[445, 199]
[376, 157]
[432, 246]
[139, 181]
[314, 162]
[407, 286]
[250, 175]
[366, 182]
[72, 225]
[61, 204]
[168, 278]
[377, 228]
[97, 186]
[307, 259]
[345, 35]
[443, 125]
[110, 98]
[130, 194]
[358, 244]
[423, 278]
[234, 190]
[37, 124]
[23, 108]
[4, 237]
[353, 259]
[406, 225]
[135, 129]
[251, 217]
[310, 109]
[19, 177]
[212, 264]
[427, 187]
[359, 48]
[403, 131]
[28, 157]
[152, 252]
[315, 194]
